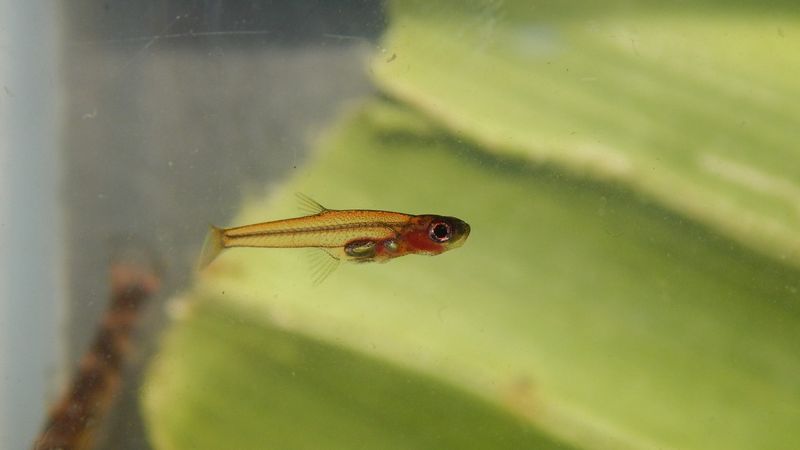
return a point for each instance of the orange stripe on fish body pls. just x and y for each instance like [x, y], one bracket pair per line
[349, 235]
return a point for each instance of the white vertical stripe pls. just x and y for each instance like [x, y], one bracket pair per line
[31, 265]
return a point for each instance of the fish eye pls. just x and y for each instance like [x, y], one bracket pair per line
[439, 232]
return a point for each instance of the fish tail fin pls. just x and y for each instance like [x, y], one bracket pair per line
[212, 247]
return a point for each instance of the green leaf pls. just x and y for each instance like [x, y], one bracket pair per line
[225, 381]
[692, 104]
[594, 316]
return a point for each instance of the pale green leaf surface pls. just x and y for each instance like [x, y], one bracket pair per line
[225, 381]
[693, 104]
[596, 317]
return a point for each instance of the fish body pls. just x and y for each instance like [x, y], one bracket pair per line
[346, 235]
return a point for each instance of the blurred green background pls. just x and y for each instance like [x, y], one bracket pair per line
[631, 280]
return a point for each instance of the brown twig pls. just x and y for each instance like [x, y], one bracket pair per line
[75, 417]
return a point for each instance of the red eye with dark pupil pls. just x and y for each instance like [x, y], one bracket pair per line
[440, 232]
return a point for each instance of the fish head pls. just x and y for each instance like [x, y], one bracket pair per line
[436, 234]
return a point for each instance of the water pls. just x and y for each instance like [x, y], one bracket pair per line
[627, 170]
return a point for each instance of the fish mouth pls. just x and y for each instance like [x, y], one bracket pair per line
[461, 231]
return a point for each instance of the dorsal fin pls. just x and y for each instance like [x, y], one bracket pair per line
[308, 204]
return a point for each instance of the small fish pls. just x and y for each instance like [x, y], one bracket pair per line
[356, 235]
